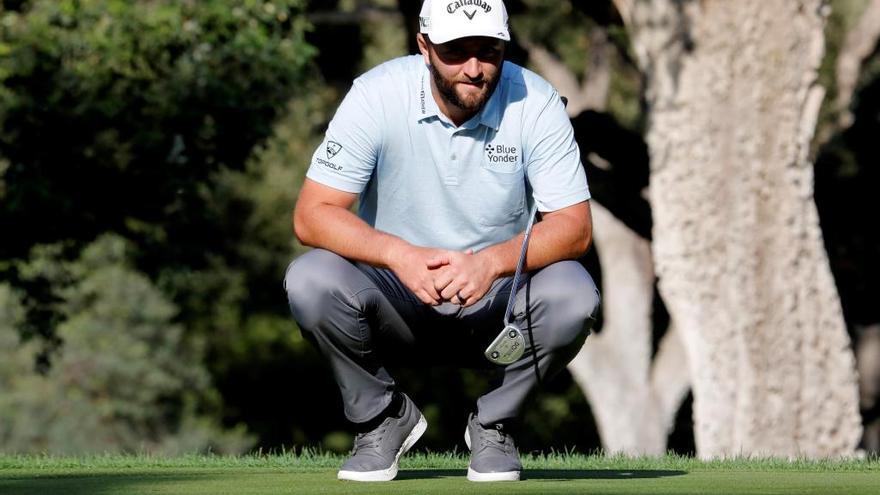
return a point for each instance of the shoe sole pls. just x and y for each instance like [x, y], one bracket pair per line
[485, 477]
[390, 473]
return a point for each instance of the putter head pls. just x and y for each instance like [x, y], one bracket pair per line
[507, 347]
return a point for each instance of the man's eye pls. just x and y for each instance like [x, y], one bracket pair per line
[488, 53]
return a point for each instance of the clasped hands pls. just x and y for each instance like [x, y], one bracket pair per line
[436, 276]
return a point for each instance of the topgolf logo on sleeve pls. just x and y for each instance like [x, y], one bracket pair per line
[333, 149]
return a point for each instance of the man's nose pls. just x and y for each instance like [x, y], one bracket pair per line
[473, 69]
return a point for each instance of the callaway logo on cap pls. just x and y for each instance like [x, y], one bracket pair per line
[447, 20]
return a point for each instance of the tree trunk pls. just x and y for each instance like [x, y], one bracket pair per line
[634, 401]
[733, 103]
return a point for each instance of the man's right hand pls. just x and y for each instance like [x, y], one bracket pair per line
[410, 264]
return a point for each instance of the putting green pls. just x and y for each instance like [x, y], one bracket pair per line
[279, 481]
[431, 473]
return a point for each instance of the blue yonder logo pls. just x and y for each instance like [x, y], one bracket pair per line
[500, 154]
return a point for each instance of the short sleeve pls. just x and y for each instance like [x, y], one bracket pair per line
[347, 156]
[552, 159]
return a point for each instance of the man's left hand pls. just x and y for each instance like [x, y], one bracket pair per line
[465, 279]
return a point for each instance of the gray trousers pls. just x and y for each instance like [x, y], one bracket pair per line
[363, 318]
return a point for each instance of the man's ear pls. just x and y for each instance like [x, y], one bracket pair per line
[423, 47]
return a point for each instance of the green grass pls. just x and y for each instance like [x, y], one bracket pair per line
[431, 473]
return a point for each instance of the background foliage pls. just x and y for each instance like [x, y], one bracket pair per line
[125, 379]
[141, 119]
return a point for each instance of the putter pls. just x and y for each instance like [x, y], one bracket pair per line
[510, 344]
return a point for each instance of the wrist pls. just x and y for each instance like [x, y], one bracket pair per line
[490, 259]
[393, 253]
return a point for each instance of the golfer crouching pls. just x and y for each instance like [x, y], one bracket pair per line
[448, 153]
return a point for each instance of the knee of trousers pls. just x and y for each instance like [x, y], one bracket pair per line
[318, 288]
[566, 300]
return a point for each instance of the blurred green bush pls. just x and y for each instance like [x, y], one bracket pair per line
[125, 380]
[114, 114]
[140, 119]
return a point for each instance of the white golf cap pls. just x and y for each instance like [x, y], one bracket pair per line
[447, 20]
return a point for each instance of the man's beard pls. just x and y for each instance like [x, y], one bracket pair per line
[447, 90]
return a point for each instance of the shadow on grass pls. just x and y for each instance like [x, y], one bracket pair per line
[87, 484]
[428, 474]
[274, 483]
[605, 474]
[547, 474]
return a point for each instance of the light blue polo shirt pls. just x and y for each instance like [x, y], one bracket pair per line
[433, 184]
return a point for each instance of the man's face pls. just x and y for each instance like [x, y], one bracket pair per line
[466, 71]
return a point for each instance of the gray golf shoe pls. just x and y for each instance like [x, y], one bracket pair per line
[493, 453]
[376, 453]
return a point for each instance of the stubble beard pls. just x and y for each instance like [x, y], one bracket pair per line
[469, 105]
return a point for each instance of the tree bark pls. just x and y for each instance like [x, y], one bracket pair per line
[634, 403]
[733, 102]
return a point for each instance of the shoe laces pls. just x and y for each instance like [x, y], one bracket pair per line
[369, 440]
[495, 437]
